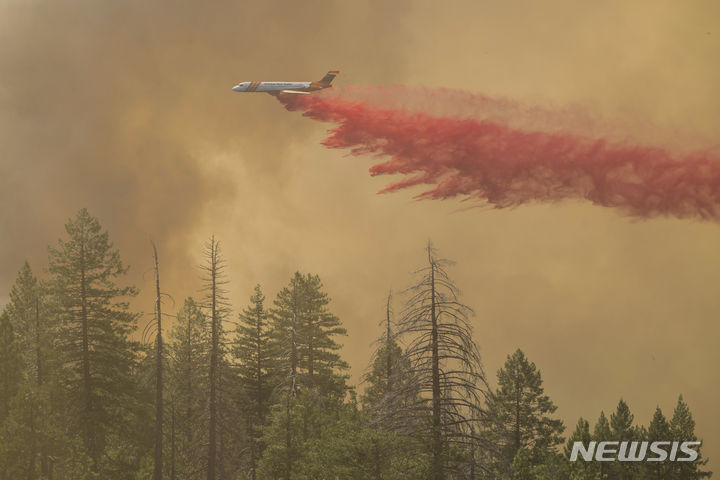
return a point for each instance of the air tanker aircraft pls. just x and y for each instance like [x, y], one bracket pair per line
[274, 88]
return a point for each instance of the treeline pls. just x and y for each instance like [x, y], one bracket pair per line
[263, 394]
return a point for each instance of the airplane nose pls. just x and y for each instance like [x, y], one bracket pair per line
[236, 88]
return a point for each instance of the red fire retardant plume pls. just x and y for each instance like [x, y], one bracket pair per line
[504, 166]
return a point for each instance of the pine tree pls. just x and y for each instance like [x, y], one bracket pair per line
[29, 313]
[95, 326]
[304, 331]
[443, 365]
[682, 429]
[387, 367]
[621, 423]
[602, 433]
[581, 469]
[658, 431]
[520, 413]
[189, 351]
[10, 365]
[623, 430]
[254, 355]
[29, 316]
[380, 383]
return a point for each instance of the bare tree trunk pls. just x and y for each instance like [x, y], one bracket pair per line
[378, 466]
[212, 447]
[172, 438]
[39, 365]
[437, 453]
[30, 473]
[293, 347]
[38, 353]
[388, 345]
[88, 421]
[293, 387]
[517, 415]
[253, 443]
[288, 442]
[260, 407]
[158, 470]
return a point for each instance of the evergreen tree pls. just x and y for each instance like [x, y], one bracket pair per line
[623, 430]
[520, 414]
[389, 371]
[621, 423]
[379, 382]
[10, 365]
[682, 429]
[32, 322]
[95, 326]
[29, 313]
[348, 448]
[304, 331]
[254, 355]
[382, 369]
[581, 469]
[602, 433]
[658, 431]
[189, 351]
[25, 441]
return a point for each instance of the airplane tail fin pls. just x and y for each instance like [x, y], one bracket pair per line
[330, 76]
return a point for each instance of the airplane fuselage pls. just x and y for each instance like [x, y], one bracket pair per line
[272, 86]
[275, 88]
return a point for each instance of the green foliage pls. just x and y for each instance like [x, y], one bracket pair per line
[304, 332]
[322, 439]
[255, 357]
[658, 431]
[682, 429]
[98, 355]
[256, 369]
[519, 414]
[76, 398]
[348, 448]
[622, 429]
[10, 365]
[31, 316]
[581, 469]
[34, 441]
[189, 349]
[377, 379]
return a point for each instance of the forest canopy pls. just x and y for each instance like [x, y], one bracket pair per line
[261, 391]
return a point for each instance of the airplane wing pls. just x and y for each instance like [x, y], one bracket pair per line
[295, 91]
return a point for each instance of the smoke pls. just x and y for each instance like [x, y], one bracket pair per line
[126, 109]
[504, 155]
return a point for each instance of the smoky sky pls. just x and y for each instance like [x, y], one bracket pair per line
[120, 107]
[125, 108]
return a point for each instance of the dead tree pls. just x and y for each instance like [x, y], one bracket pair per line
[442, 401]
[158, 470]
[217, 304]
[388, 346]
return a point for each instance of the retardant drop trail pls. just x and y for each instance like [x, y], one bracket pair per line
[495, 161]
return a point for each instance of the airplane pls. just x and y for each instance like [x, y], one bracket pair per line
[275, 88]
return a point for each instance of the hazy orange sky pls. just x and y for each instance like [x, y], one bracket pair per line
[126, 108]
